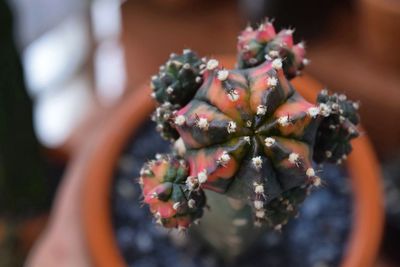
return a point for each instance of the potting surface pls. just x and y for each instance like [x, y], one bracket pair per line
[317, 238]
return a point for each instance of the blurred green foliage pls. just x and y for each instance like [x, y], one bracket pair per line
[23, 188]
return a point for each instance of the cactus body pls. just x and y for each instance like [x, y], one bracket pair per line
[245, 134]
[179, 79]
[164, 189]
[337, 128]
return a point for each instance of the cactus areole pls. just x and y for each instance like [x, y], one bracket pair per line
[245, 133]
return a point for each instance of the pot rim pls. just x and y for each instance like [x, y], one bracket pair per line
[126, 118]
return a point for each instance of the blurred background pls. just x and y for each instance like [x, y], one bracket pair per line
[65, 64]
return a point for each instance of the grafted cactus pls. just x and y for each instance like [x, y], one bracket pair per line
[247, 136]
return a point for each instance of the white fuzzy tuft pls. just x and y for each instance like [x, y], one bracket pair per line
[324, 110]
[258, 204]
[212, 64]
[258, 188]
[273, 53]
[176, 205]
[222, 75]
[277, 64]
[269, 141]
[313, 111]
[328, 153]
[305, 61]
[202, 123]
[272, 81]
[202, 176]
[224, 158]
[233, 95]
[191, 203]
[294, 158]
[310, 172]
[316, 181]
[257, 162]
[260, 213]
[283, 121]
[180, 120]
[261, 110]
[191, 182]
[231, 127]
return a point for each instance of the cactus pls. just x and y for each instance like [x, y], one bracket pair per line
[245, 136]
[337, 129]
[174, 86]
[164, 189]
[256, 46]
[179, 79]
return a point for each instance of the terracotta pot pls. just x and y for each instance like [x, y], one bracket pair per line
[125, 121]
[380, 28]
